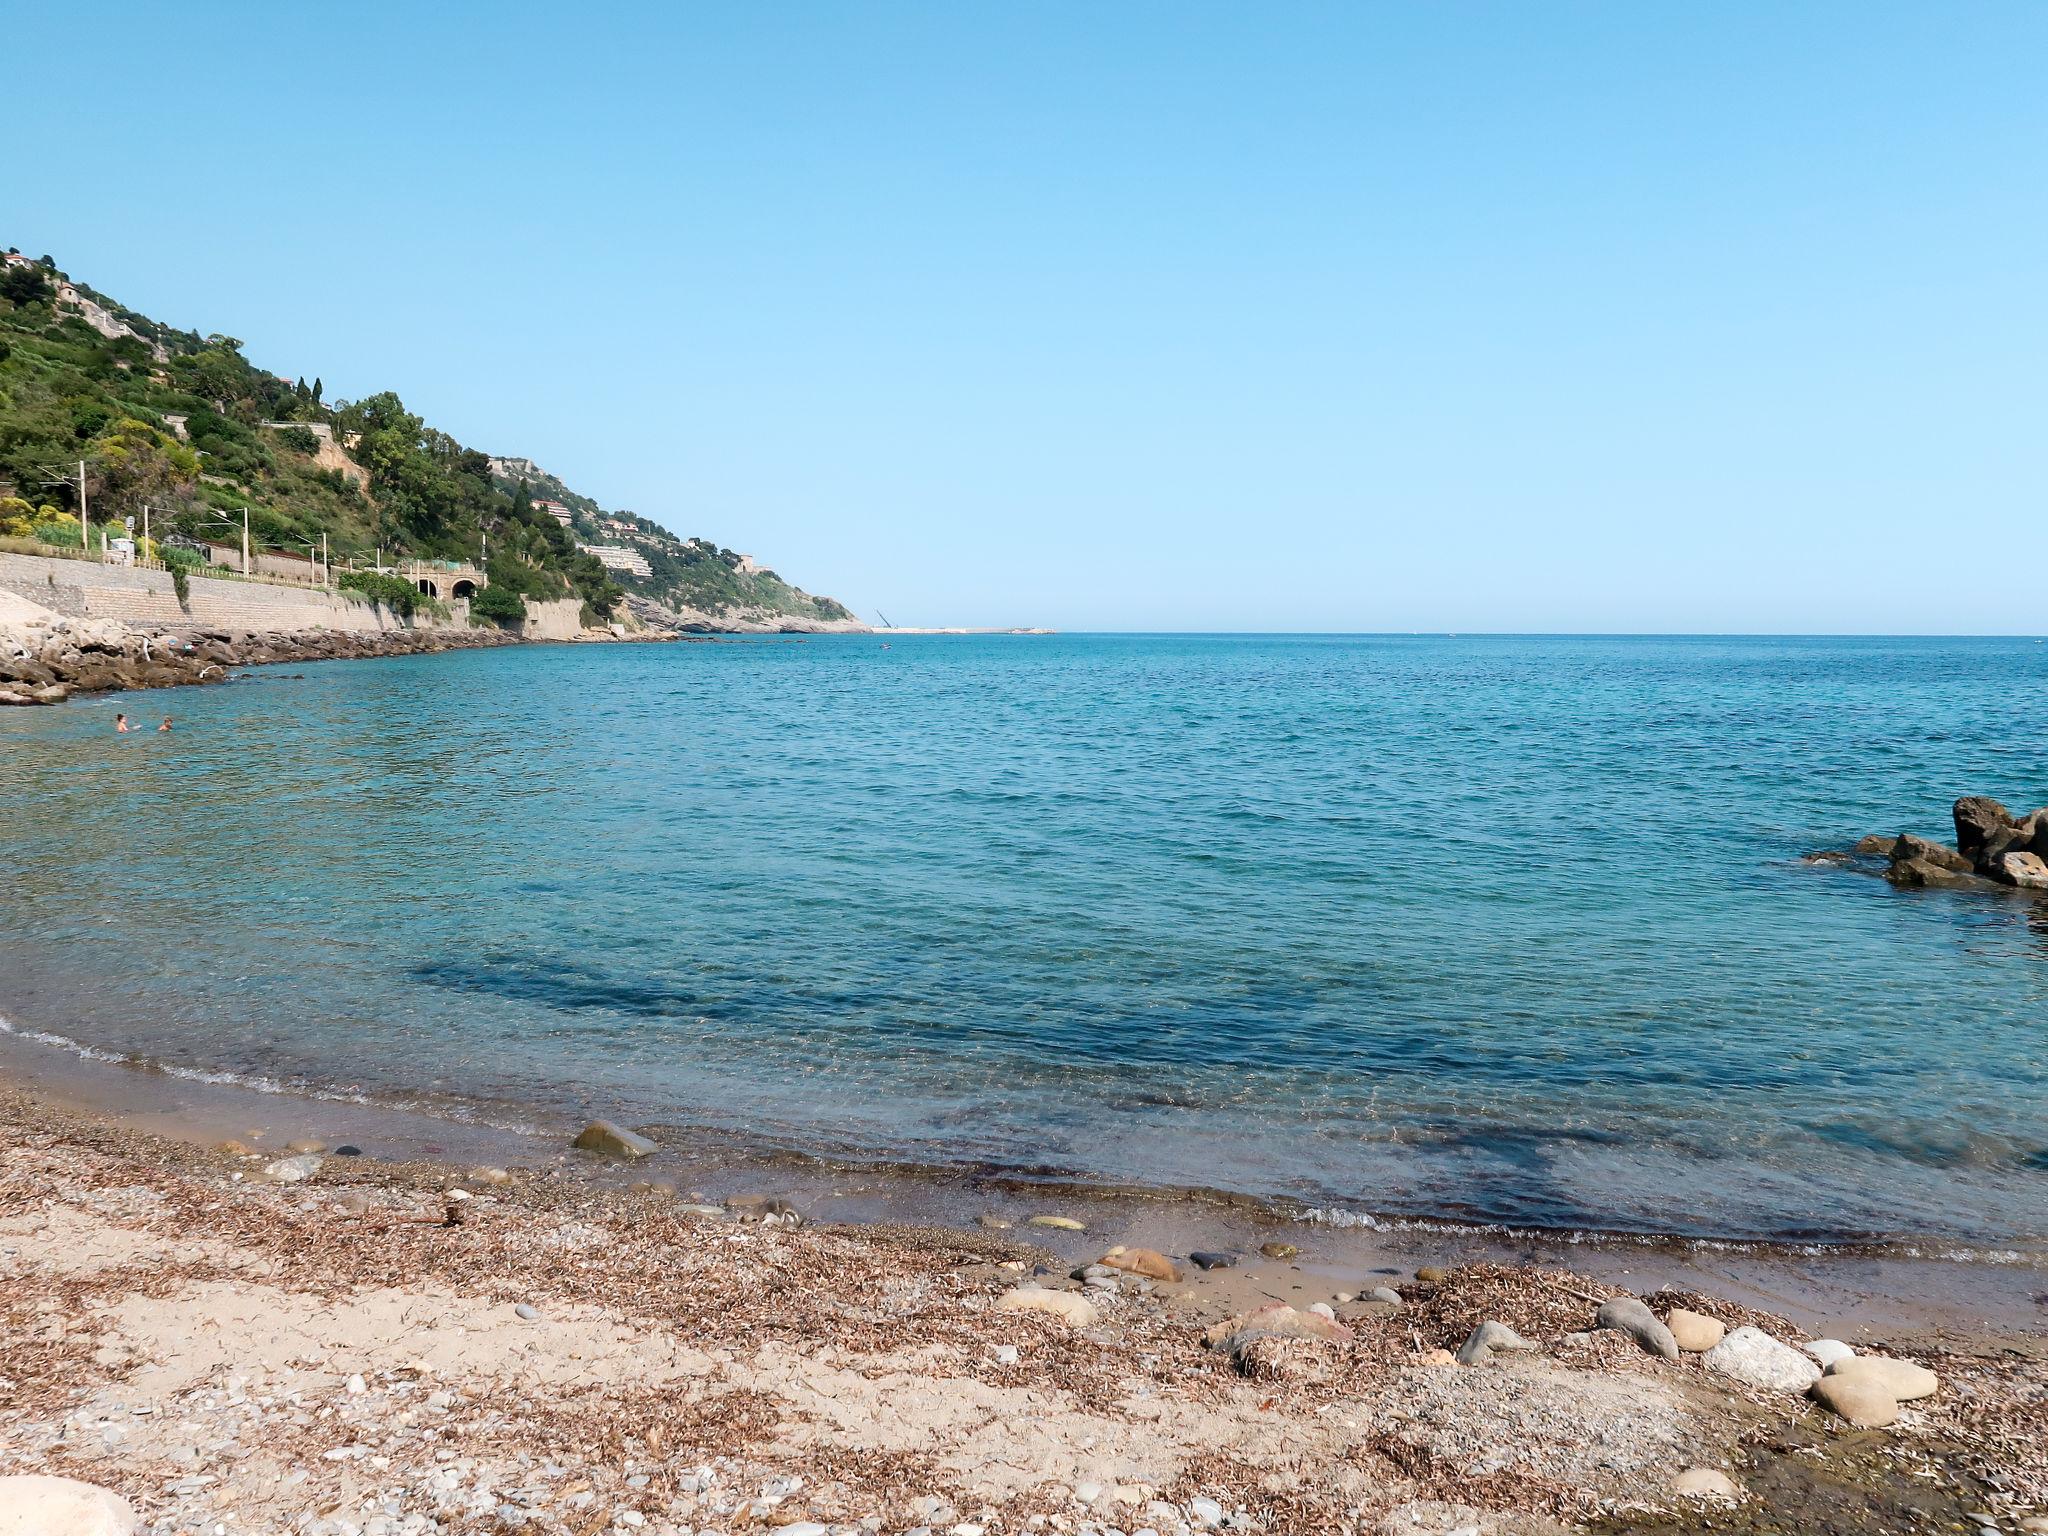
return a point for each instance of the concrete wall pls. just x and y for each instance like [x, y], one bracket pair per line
[559, 618]
[82, 588]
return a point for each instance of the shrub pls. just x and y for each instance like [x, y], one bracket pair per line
[499, 604]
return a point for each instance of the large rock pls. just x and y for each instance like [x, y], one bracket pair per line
[1707, 1483]
[1694, 1332]
[1489, 1336]
[1984, 829]
[1906, 847]
[1070, 1307]
[614, 1140]
[1901, 1378]
[1876, 843]
[58, 1506]
[2028, 871]
[1915, 874]
[1142, 1261]
[1864, 1403]
[1631, 1317]
[1279, 1319]
[1753, 1356]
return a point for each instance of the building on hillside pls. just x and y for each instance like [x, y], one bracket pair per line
[556, 510]
[616, 557]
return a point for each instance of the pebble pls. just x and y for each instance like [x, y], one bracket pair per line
[1864, 1403]
[1058, 1223]
[1384, 1293]
[1279, 1250]
[1006, 1354]
[990, 1222]
[1706, 1483]
[1828, 1351]
[1147, 1262]
[348, 1149]
[493, 1176]
[1750, 1355]
[1323, 1309]
[1439, 1357]
[1087, 1493]
[356, 1203]
[307, 1144]
[1202, 1259]
[1695, 1332]
[235, 1148]
[1429, 1274]
[61, 1506]
[1206, 1511]
[528, 1311]
[805, 1528]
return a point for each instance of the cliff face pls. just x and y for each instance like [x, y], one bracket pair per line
[682, 619]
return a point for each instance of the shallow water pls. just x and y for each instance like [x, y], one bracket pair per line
[1503, 929]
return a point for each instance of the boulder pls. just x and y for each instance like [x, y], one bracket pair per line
[1070, 1307]
[1902, 1379]
[293, 1170]
[1631, 1317]
[1480, 1344]
[1907, 847]
[1694, 1332]
[2028, 871]
[614, 1140]
[1142, 1261]
[1750, 1355]
[1917, 874]
[1828, 1351]
[1877, 843]
[1279, 1250]
[1864, 1403]
[1706, 1483]
[60, 1506]
[1984, 829]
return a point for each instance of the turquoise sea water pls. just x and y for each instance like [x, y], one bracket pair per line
[1498, 929]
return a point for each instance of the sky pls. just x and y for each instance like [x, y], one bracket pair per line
[1452, 316]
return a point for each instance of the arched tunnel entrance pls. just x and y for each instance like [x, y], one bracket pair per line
[464, 588]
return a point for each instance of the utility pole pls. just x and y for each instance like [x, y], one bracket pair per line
[84, 517]
[145, 530]
[245, 541]
[326, 569]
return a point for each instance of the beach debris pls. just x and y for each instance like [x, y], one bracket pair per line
[1384, 1293]
[1630, 1316]
[492, 1176]
[354, 1202]
[988, 1221]
[1752, 1356]
[1828, 1351]
[1864, 1402]
[1278, 1357]
[1072, 1308]
[1694, 1332]
[1006, 1354]
[1438, 1357]
[235, 1148]
[614, 1140]
[1480, 1344]
[1901, 1378]
[1706, 1483]
[772, 1210]
[1206, 1259]
[293, 1170]
[1058, 1223]
[1279, 1250]
[1142, 1261]
[61, 1506]
[1205, 1512]
[306, 1144]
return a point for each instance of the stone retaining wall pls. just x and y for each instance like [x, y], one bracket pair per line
[85, 589]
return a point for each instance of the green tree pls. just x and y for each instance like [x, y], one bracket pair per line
[498, 604]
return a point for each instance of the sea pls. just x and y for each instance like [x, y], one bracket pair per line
[1493, 931]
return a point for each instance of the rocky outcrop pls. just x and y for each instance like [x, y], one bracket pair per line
[1993, 848]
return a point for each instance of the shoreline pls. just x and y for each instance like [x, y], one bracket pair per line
[1927, 1285]
[423, 1340]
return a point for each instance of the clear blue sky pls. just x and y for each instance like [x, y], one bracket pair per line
[1188, 316]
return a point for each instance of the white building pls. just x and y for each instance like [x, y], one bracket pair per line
[616, 557]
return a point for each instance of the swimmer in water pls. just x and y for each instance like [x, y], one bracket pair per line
[166, 725]
[120, 722]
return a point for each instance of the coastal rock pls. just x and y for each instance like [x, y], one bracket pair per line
[1631, 1317]
[614, 1141]
[1984, 828]
[1489, 1336]
[61, 1506]
[1918, 874]
[1907, 847]
[2028, 871]
[1828, 1351]
[1706, 1483]
[1901, 1378]
[1070, 1307]
[1876, 843]
[1752, 1356]
[1694, 1332]
[1866, 1404]
[1058, 1223]
[1203, 1259]
[293, 1170]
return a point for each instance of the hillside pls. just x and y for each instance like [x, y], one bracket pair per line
[188, 426]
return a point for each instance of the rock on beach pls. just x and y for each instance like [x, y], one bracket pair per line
[1636, 1320]
[1752, 1356]
[1863, 1402]
[614, 1141]
[1901, 1378]
[61, 1506]
[1070, 1307]
[1480, 1344]
[1142, 1261]
[1694, 1332]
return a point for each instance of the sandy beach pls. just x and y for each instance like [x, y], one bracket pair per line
[248, 1339]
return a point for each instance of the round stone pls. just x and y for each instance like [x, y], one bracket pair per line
[1706, 1483]
[1864, 1403]
[1901, 1379]
[60, 1506]
[1695, 1332]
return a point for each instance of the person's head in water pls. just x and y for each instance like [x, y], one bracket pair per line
[166, 725]
[120, 722]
